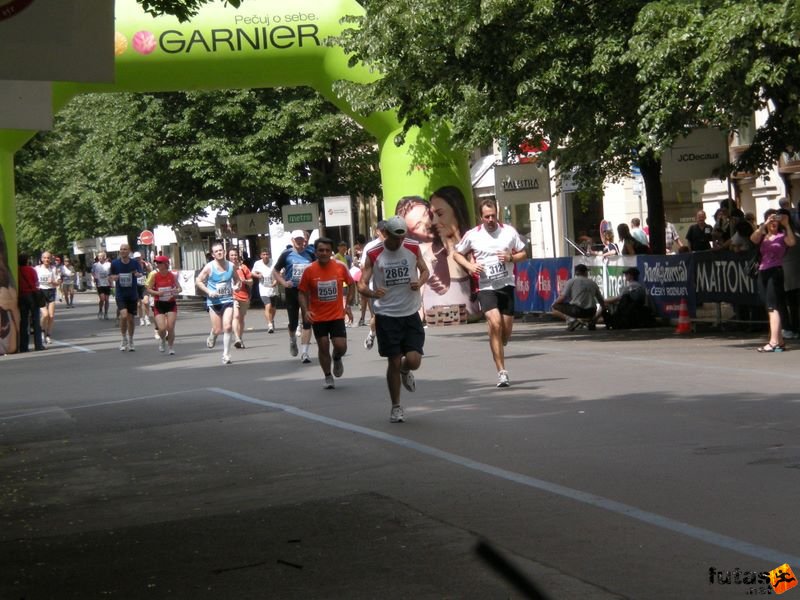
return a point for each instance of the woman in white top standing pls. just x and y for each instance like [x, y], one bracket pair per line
[49, 280]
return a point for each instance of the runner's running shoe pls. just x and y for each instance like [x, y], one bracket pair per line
[397, 415]
[502, 379]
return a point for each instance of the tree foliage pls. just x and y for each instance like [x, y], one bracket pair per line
[182, 9]
[607, 83]
[115, 163]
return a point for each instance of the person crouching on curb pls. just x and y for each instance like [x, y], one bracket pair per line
[580, 299]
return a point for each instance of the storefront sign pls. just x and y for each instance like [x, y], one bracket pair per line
[695, 156]
[522, 184]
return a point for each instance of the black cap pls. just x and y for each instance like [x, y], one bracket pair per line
[632, 271]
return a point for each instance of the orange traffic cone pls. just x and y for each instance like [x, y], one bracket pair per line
[684, 323]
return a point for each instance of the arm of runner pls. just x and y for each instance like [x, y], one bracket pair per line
[302, 300]
[470, 267]
[363, 283]
[237, 281]
[423, 273]
[201, 280]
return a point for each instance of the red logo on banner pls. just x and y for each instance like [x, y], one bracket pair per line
[544, 287]
[562, 277]
[523, 285]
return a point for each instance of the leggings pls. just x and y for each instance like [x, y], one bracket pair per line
[293, 309]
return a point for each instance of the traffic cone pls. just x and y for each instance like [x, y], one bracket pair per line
[684, 323]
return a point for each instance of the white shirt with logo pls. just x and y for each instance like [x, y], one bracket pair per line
[485, 245]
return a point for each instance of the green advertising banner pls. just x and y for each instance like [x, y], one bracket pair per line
[266, 43]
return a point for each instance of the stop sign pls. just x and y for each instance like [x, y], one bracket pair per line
[146, 237]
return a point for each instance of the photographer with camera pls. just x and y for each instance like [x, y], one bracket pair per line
[773, 237]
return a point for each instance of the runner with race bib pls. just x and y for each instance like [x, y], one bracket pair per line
[321, 291]
[124, 271]
[392, 275]
[288, 272]
[495, 247]
[219, 280]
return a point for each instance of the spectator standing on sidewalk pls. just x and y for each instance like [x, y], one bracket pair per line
[28, 306]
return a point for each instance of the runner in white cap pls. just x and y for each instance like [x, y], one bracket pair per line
[397, 271]
[288, 272]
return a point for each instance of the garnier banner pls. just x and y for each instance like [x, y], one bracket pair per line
[265, 43]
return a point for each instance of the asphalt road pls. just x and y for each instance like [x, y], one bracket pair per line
[617, 465]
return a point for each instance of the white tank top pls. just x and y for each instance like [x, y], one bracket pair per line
[395, 270]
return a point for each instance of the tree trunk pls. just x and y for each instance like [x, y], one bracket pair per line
[650, 167]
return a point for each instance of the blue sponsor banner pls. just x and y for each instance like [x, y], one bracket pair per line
[715, 276]
[668, 280]
[538, 282]
[722, 276]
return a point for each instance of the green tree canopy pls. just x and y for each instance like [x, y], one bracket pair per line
[115, 162]
[583, 74]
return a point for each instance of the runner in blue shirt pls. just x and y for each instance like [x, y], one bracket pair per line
[218, 279]
[288, 271]
[124, 272]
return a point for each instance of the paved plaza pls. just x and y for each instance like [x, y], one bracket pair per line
[617, 465]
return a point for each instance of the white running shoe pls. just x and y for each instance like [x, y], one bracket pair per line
[211, 341]
[407, 379]
[147, 321]
[338, 367]
[370, 341]
[141, 322]
[162, 345]
[305, 358]
[329, 382]
[172, 351]
[270, 328]
[156, 335]
[502, 379]
[130, 346]
[226, 360]
[48, 340]
[293, 346]
[123, 347]
[238, 343]
[397, 415]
